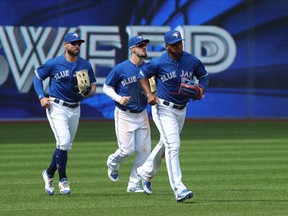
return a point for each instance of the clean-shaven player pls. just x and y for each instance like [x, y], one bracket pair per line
[131, 119]
[169, 109]
[62, 105]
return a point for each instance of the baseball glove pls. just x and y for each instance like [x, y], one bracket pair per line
[152, 84]
[192, 91]
[83, 82]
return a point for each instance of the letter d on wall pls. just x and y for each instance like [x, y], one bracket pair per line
[214, 46]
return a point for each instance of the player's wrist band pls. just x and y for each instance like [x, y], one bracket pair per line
[148, 94]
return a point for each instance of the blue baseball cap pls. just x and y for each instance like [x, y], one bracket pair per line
[137, 40]
[72, 36]
[172, 37]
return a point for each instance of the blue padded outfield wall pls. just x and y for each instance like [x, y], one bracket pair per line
[243, 44]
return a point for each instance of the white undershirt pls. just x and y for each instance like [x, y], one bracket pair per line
[109, 90]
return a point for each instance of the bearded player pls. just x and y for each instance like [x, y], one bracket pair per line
[62, 104]
[171, 69]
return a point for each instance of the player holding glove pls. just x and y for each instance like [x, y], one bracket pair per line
[83, 83]
[169, 110]
[70, 78]
[191, 90]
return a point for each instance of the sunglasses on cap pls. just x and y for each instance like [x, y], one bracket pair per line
[73, 43]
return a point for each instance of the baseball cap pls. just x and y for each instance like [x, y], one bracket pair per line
[172, 37]
[137, 40]
[72, 36]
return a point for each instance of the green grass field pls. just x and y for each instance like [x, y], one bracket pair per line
[233, 168]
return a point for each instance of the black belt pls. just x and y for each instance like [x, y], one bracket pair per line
[74, 105]
[130, 111]
[175, 106]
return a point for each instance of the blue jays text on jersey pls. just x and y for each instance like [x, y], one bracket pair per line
[63, 81]
[129, 80]
[124, 79]
[61, 74]
[168, 76]
[172, 73]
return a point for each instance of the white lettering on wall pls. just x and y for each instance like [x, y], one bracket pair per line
[26, 48]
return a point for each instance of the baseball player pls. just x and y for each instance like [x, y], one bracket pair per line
[169, 109]
[131, 119]
[62, 104]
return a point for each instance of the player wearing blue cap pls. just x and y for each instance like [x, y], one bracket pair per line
[169, 110]
[62, 104]
[131, 119]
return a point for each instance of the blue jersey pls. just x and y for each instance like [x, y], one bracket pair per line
[124, 79]
[63, 81]
[169, 73]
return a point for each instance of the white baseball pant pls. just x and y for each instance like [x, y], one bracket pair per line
[169, 122]
[64, 123]
[133, 135]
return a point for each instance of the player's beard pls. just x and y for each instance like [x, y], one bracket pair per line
[176, 55]
[142, 55]
[74, 52]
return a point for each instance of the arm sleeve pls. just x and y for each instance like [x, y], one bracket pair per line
[109, 90]
[204, 81]
[202, 75]
[38, 86]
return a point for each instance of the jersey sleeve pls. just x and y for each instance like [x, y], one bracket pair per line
[148, 70]
[43, 71]
[112, 78]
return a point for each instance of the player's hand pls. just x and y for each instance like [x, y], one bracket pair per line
[202, 90]
[45, 102]
[153, 99]
[124, 100]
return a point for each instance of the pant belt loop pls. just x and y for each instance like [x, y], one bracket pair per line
[61, 102]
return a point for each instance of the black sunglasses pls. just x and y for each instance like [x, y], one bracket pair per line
[141, 45]
[73, 43]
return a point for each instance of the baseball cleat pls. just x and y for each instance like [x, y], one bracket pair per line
[184, 195]
[147, 187]
[136, 189]
[113, 174]
[48, 183]
[64, 186]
